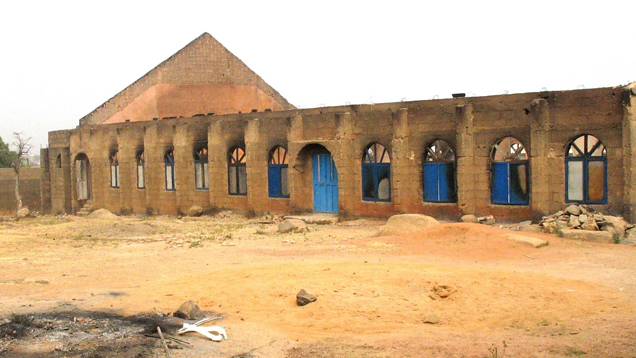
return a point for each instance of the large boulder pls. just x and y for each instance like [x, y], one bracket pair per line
[407, 223]
[469, 219]
[23, 213]
[101, 214]
[195, 210]
[292, 225]
[616, 224]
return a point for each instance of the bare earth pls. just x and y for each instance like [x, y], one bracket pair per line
[569, 299]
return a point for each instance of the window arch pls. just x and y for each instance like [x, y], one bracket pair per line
[168, 160]
[237, 171]
[201, 173]
[586, 171]
[114, 169]
[376, 173]
[278, 172]
[438, 173]
[509, 173]
[141, 162]
[58, 161]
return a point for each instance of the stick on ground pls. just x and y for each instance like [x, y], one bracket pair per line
[165, 346]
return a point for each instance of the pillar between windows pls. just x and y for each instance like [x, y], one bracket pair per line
[540, 161]
[256, 163]
[629, 158]
[400, 163]
[465, 159]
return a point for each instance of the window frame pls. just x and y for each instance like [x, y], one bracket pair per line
[586, 158]
[374, 166]
[114, 165]
[140, 160]
[438, 160]
[509, 161]
[168, 161]
[275, 166]
[201, 159]
[237, 161]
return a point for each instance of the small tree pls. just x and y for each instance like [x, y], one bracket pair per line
[22, 149]
[5, 155]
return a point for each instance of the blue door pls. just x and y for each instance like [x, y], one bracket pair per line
[325, 184]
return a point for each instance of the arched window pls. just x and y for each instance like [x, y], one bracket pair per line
[237, 172]
[277, 173]
[509, 173]
[58, 161]
[586, 171]
[168, 160]
[376, 173]
[201, 173]
[439, 173]
[114, 169]
[141, 182]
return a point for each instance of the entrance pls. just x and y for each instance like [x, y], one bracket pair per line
[82, 168]
[325, 184]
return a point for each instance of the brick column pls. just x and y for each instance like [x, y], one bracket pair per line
[540, 163]
[217, 164]
[466, 185]
[629, 158]
[183, 168]
[400, 164]
[295, 143]
[256, 166]
[345, 159]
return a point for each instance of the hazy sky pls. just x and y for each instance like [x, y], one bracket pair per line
[62, 59]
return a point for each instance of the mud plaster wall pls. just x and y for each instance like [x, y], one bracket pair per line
[544, 123]
[29, 189]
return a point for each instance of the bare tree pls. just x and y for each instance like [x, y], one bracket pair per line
[22, 148]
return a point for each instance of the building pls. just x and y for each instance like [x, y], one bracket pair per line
[203, 129]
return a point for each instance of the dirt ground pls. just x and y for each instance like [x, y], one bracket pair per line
[76, 287]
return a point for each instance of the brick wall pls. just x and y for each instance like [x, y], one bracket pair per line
[29, 189]
[544, 123]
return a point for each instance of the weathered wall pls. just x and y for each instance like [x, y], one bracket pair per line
[544, 122]
[29, 189]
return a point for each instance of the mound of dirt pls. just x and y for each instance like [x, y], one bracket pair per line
[101, 214]
[406, 224]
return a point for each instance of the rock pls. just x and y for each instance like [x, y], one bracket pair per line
[469, 219]
[189, 310]
[315, 219]
[270, 231]
[525, 223]
[195, 210]
[438, 292]
[23, 213]
[101, 214]
[527, 240]
[583, 218]
[574, 222]
[431, 319]
[599, 217]
[618, 223]
[573, 210]
[304, 298]
[589, 224]
[549, 227]
[292, 225]
[532, 228]
[584, 235]
[486, 220]
[406, 223]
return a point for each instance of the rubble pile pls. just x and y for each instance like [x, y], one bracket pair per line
[583, 217]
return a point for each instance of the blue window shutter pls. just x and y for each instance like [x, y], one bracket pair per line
[518, 184]
[431, 182]
[447, 192]
[499, 183]
[273, 176]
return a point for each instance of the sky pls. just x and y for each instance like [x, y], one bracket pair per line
[62, 59]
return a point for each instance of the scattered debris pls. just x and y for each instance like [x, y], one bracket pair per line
[486, 220]
[214, 333]
[189, 310]
[438, 292]
[315, 219]
[269, 231]
[101, 214]
[304, 298]
[195, 210]
[430, 319]
[292, 225]
[406, 223]
[163, 341]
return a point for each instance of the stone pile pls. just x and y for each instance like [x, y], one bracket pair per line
[583, 217]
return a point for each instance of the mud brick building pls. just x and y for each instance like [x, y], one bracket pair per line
[203, 129]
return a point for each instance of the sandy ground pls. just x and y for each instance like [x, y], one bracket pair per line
[569, 299]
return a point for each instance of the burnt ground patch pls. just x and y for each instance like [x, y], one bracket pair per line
[76, 333]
